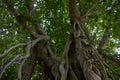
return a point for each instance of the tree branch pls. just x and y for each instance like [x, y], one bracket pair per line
[30, 8]
[18, 16]
[111, 69]
[29, 67]
[20, 69]
[110, 57]
[92, 7]
[104, 39]
[64, 66]
[3, 70]
[13, 47]
[28, 53]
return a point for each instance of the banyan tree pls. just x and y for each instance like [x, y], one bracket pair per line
[59, 39]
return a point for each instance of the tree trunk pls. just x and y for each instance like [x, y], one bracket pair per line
[80, 59]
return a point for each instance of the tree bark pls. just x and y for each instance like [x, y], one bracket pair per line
[78, 58]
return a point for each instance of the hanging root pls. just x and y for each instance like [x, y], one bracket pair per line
[7, 65]
[64, 66]
[29, 45]
[20, 69]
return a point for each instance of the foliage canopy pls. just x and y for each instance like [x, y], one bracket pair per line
[52, 16]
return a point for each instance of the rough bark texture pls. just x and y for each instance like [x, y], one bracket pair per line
[84, 50]
[79, 60]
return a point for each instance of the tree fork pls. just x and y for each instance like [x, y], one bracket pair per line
[83, 48]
